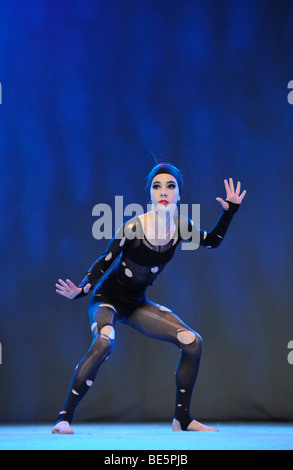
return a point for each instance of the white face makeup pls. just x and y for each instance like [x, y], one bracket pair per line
[159, 225]
[164, 191]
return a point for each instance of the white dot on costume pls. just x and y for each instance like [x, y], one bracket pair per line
[155, 269]
[179, 405]
[219, 236]
[89, 383]
[109, 256]
[182, 390]
[108, 331]
[63, 412]
[165, 309]
[128, 272]
[186, 337]
[94, 326]
[74, 392]
[123, 262]
[122, 241]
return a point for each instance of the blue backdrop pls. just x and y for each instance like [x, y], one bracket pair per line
[89, 89]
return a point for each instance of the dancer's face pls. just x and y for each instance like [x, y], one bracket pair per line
[164, 187]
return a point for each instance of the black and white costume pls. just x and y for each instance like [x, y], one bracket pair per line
[120, 296]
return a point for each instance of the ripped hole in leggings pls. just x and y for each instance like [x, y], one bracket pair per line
[186, 337]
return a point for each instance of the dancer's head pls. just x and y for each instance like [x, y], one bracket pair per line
[164, 181]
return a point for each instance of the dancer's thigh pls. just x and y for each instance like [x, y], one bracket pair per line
[160, 322]
[103, 316]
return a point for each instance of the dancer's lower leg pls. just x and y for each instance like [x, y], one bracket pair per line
[85, 374]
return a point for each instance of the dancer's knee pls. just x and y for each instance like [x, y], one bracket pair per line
[108, 332]
[190, 341]
[103, 342]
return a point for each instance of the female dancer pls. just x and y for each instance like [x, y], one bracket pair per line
[145, 244]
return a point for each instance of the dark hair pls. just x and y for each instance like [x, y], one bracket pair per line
[164, 167]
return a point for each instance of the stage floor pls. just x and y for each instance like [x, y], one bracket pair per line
[260, 436]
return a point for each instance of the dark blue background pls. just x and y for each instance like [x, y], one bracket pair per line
[89, 89]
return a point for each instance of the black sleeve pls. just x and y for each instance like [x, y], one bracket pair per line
[215, 236]
[100, 266]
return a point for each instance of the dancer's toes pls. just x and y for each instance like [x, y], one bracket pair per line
[63, 427]
[196, 426]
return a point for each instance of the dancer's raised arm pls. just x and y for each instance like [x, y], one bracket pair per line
[214, 237]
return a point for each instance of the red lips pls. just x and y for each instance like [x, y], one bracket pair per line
[163, 201]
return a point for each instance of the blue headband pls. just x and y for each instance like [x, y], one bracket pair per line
[166, 168]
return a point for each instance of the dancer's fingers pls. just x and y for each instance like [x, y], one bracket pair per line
[71, 284]
[242, 195]
[238, 188]
[231, 185]
[227, 187]
[223, 203]
[61, 287]
[65, 294]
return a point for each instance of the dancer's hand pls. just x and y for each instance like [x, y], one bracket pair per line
[69, 289]
[232, 195]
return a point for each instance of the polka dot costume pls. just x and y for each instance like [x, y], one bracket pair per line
[119, 279]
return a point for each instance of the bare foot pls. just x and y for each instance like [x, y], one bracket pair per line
[193, 426]
[63, 427]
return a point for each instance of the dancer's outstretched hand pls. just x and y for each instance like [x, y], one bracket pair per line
[232, 195]
[69, 289]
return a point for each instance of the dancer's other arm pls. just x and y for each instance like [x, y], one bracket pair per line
[116, 245]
